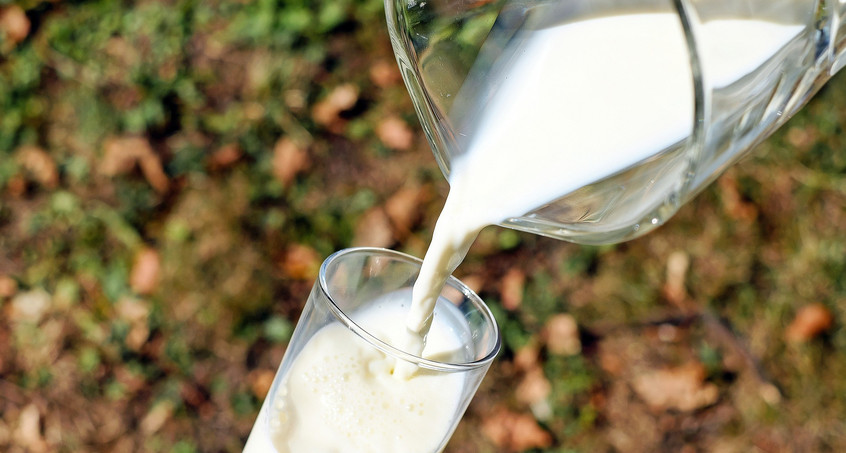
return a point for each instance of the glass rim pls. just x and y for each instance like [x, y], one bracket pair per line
[392, 351]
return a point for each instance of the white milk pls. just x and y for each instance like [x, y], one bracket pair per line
[340, 395]
[581, 102]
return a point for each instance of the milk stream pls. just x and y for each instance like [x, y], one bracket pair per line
[581, 102]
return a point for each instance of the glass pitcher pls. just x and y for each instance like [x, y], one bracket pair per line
[748, 66]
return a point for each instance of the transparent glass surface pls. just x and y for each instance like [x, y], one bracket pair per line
[360, 294]
[451, 52]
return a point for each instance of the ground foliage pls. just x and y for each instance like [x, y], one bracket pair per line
[172, 173]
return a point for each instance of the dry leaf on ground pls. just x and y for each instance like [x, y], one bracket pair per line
[14, 25]
[122, 154]
[225, 156]
[374, 229]
[527, 357]
[562, 335]
[384, 73]
[403, 208]
[289, 160]
[533, 388]
[474, 282]
[682, 388]
[157, 417]
[260, 381]
[395, 133]
[511, 288]
[301, 262]
[327, 111]
[8, 286]
[30, 305]
[810, 321]
[802, 138]
[674, 289]
[512, 431]
[192, 395]
[144, 276]
[40, 165]
[28, 433]
[610, 361]
[136, 313]
[733, 201]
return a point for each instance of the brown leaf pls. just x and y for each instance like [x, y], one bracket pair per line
[144, 277]
[136, 313]
[137, 336]
[151, 167]
[288, 160]
[403, 208]
[225, 156]
[374, 229]
[562, 335]
[40, 165]
[385, 73]
[733, 201]
[132, 310]
[395, 133]
[28, 433]
[512, 431]
[327, 111]
[260, 381]
[8, 286]
[810, 321]
[526, 358]
[474, 282]
[122, 154]
[674, 289]
[682, 388]
[511, 289]
[610, 361]
[191, 394]
[301, 262]
[801, 138]
[533, 388]
[156, 417]
[14, 25]
[16, 186]
[30, 305]
[343, 97]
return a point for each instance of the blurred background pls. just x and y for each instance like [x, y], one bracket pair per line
[172, 173]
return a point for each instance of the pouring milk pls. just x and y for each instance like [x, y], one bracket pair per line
[532, 144]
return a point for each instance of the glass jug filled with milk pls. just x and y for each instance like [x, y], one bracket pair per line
[592, 121]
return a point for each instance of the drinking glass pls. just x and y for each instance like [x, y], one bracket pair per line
[359, 294]
[452, 53]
